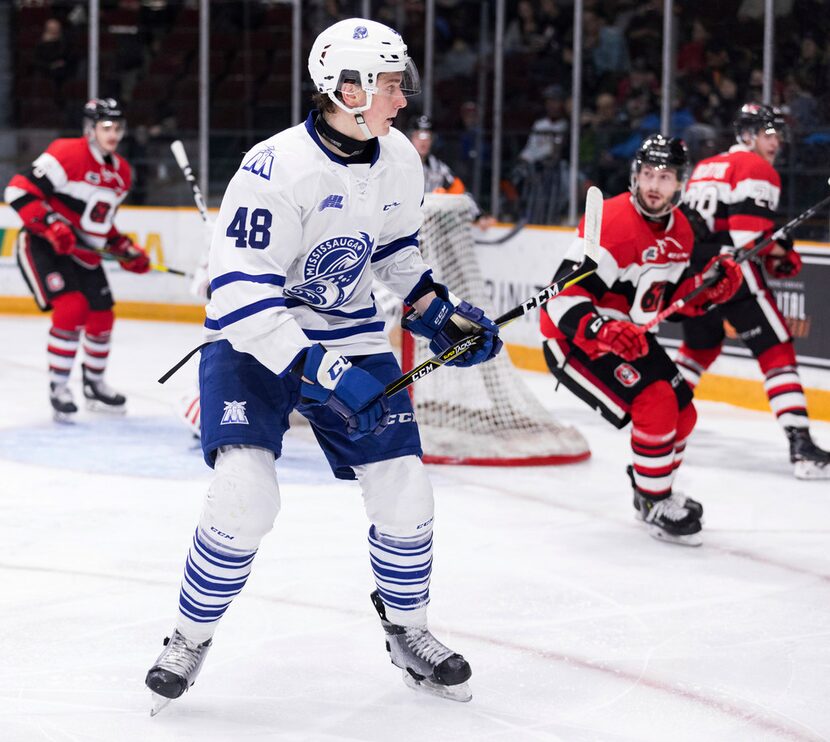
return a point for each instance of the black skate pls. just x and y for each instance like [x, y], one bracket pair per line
[427, 664]
[63, 406]
[809, 461]
[693, 506]
[100, 397]
[175, 670]
[668, 521]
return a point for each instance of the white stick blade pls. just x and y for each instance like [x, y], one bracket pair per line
[593, 222]
[177, 148]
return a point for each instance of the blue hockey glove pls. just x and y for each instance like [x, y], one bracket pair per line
[354, 394]
[444, 325]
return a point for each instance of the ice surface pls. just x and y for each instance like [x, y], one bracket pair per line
[578, 626]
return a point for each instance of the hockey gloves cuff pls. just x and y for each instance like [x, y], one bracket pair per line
[131, 256]
[353, 394]
[600, 335]
[444, 324]
[729, 281]
[786, 265]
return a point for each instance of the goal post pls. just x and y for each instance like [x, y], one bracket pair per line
[483, 415]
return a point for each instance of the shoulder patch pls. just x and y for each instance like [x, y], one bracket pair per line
[261, 163]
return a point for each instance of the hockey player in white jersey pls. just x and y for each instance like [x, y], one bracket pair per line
[312, 214]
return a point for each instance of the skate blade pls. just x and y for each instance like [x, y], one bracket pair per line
[691, 539]
[810, 470]
[460, 692]
[158, 703]
[64, 418]
[93, 405]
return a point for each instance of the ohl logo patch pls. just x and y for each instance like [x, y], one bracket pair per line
[332, 269]
[234, 414]
[627, 375]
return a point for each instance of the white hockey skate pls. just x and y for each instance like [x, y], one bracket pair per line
[64, 408]
[175, 670]
[669, 520]
[427, 665]
[100, 397]
[809, 461]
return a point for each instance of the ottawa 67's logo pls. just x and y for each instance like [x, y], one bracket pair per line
[627, 375]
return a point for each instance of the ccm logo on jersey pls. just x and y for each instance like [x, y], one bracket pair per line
[627, 375]
[653, 253]
[393, 205]
[401, 417]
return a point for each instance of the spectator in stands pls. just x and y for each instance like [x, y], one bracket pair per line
[811, 70]
[54, 56]
[548, 137]
[524, 33]
[691, 56]
[801, 106]
[473, 145]
[606, 46]
[542, 171]
[604, 128]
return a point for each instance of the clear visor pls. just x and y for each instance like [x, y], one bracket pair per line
[406, 82]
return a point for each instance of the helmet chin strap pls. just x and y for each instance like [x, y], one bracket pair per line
[652, 215]
[363, 126]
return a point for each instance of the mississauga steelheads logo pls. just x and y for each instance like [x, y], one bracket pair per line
[331, 271]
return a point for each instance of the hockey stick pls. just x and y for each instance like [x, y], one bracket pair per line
[177, 148]
[107, 255]
[514, 230]
[590, 259]
[745, 255]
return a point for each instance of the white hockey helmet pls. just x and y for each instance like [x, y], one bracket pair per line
[357, 50]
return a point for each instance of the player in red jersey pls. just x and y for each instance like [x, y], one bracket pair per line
[596, 347]
[67, 200]
[731, 199]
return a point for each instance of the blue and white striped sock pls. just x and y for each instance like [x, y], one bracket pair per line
[402, 567]
[213, 575]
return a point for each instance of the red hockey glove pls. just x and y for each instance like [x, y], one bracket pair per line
[61, 237]
[600, 335]
[729, 282]
[783, 266]
[131, 256]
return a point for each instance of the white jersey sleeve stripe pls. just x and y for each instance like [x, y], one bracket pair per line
[344, 332]
[243, 312]
[364, 313]
[272, 278]
[390, 248]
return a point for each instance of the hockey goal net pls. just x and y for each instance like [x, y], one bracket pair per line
[483, 415]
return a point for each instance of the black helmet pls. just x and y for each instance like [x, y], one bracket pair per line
[661, 152]
[423, 123]
[102, 109]
[755, 117]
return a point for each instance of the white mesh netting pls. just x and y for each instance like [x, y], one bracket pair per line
[484, 414]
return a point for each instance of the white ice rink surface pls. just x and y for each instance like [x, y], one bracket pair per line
[578, 626]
